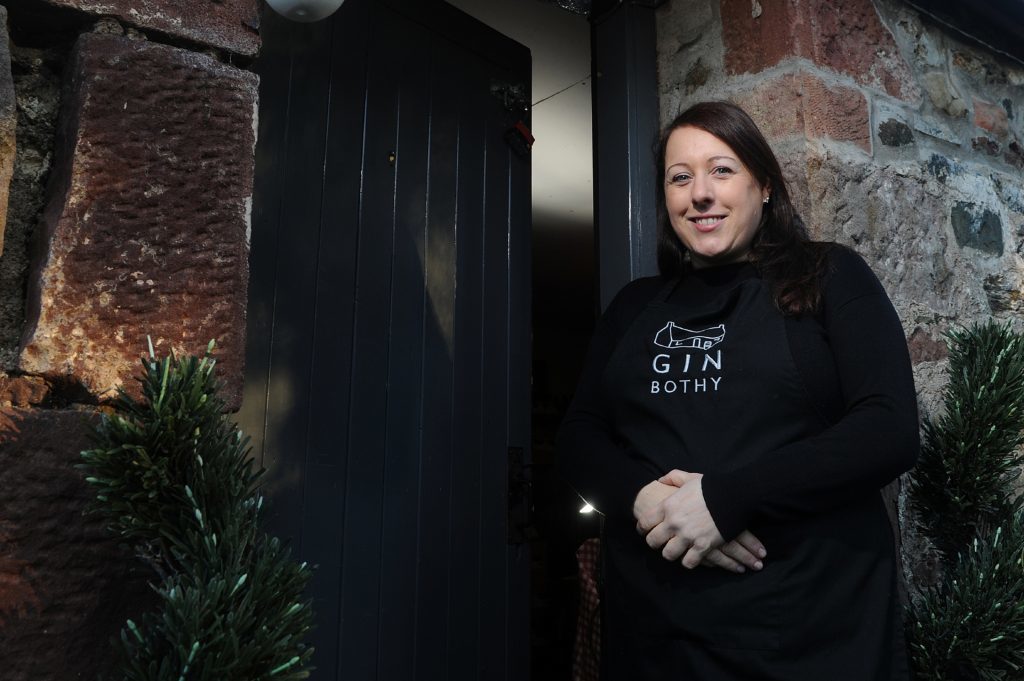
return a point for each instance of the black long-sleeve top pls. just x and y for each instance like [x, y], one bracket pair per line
[853, 358]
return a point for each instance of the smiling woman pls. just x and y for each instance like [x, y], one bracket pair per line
[734, 423]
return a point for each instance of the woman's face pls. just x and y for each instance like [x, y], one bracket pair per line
[714, 203]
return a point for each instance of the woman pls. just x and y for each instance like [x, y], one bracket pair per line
[734, 423]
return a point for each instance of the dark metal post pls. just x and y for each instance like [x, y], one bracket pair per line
[625, 130]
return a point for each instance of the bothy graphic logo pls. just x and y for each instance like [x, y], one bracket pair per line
[673, 336]
[690, 372]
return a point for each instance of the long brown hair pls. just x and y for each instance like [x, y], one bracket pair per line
[781, 250]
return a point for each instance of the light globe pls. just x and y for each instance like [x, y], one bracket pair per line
[305, 10]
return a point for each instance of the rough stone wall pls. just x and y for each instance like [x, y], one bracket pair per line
[898, 138]
[128, 216]
[231, 25]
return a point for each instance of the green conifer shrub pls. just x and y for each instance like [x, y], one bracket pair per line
[970, 625]
[174, 481]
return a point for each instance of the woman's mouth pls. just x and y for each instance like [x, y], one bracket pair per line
[707, 223]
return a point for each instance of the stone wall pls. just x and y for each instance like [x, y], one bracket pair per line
[898, 138]
[126, 151]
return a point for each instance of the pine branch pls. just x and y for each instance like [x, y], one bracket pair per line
[971, 625]
[174, 480]
[970, 456]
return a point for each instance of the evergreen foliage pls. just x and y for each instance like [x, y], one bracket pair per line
[173, 479]
[970, 456]
[970, 626]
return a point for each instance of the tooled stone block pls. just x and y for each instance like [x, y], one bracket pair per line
[146, 228]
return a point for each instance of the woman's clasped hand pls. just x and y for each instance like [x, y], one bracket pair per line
[671, 514]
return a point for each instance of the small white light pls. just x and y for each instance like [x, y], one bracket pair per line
[587, 508]
[305, 10]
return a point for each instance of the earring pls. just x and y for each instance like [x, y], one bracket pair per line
[765, 200]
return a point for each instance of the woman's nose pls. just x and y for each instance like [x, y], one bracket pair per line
[702, 192]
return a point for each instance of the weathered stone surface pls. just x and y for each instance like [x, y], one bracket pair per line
[231, 25]
[801, 103]
[696, 76]
[65, 586]
[937, 129]
[679, 27]
[985, 145]
[146, 230]
[8, 123]
[892, 215]
[1004, 293]
[850, 40]
[991, 117]
[926, 348]
[37, 86]
[893, 133]
[22, 391]
[1014, 154]
[943, 95]
[977, 227]
[941, 167]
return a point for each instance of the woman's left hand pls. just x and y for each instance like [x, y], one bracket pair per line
[682, 526]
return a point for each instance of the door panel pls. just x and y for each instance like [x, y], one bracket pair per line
[388, 351]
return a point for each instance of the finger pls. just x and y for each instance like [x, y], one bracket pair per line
[674, 548]
[751, 543]
[695, 554]
[676, 478]
[659, 536]
[649, 521]
[716, 558]
[741, 554]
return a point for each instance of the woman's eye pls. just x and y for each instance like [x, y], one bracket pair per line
[722, 170]
[679, 179]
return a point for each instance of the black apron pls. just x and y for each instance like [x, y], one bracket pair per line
[709, 388]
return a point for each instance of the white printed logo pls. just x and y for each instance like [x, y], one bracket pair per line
[673, 336]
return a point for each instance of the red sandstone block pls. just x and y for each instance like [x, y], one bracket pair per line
[991, 117]
[754, 41]
[231, 25]
[776, 106]
[65, 586]
[848, 38]
[145, 229]
[802, 104]
[840, 113]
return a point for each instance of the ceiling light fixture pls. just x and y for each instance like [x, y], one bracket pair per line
[305, 10]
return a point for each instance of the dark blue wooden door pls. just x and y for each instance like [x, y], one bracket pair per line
[388, 360]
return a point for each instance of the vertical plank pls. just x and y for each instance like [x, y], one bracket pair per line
[405, 347]
[436, 394]
[363, 528]
[292, 306]
[333, 330]
[464, 558]
[274, 69]
[494, 337]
